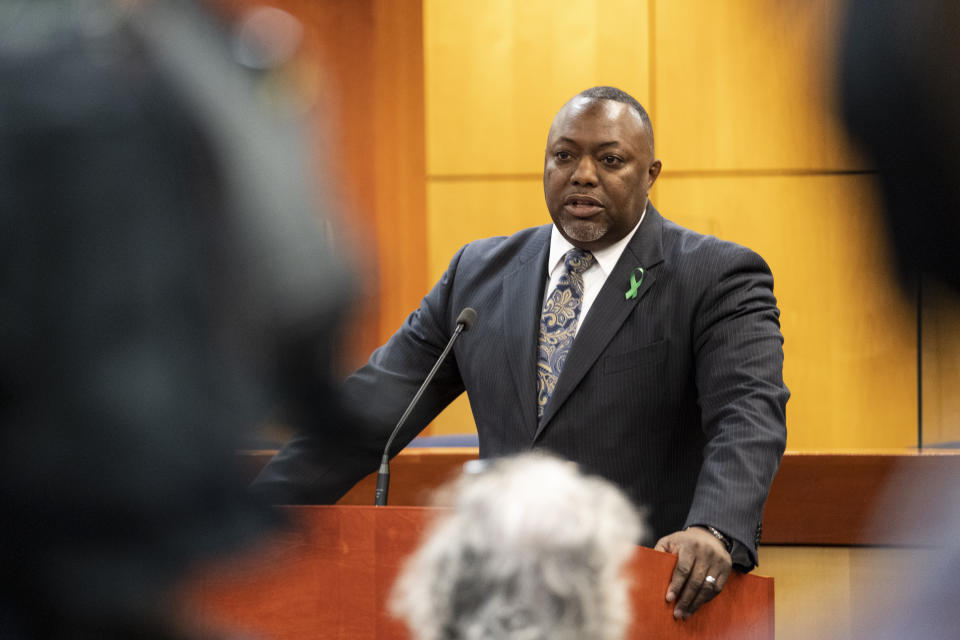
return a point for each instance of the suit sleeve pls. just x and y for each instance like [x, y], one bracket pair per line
[321, 464]
[738, 350]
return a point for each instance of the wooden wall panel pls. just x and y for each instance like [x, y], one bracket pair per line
[812, 589]
[498, 71]
[850, 338]
[863, 497]
[741, 97]
[746, 84]
[399, 150]
[459, 211]
[456, 418]
[890, 497]
[940, 380]
[834, 592]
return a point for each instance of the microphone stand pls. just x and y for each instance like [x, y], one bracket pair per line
[464, 320]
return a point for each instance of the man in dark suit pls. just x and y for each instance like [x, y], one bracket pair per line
[672, 387]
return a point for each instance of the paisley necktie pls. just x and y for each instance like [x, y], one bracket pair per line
[558, 324]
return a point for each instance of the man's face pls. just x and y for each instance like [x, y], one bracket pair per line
[598, 169]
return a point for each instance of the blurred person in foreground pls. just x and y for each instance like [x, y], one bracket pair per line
[165, 284]
[514, 561]
[899, 81]
[900, 99]
[647, 353]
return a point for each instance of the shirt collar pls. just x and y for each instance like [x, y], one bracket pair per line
[605, 258]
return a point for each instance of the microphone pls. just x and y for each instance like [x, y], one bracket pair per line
[464, 321]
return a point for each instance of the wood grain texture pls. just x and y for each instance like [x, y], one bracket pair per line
[818, 498]
[859, 498]
[747, 84]
[497, 72]
[744, 609]
[327, 577]
[462, 211]
[330, 577]
[850, 356]
[415, 475]
[940, 369]
[398, 148]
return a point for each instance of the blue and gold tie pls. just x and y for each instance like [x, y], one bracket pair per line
[558, 324]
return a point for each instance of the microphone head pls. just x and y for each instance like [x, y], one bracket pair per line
[466, 318]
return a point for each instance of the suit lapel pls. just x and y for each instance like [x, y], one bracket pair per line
[521, 299]
[610, 310]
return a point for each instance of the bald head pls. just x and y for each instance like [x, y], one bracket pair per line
[616, 95]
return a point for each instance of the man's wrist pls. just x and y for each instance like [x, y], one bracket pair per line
[724, 539]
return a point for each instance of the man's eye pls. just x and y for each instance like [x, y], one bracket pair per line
[562, 155]
[612, 161]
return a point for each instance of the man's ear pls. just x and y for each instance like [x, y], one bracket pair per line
[654, 172]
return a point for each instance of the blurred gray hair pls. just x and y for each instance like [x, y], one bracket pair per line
[533, 550]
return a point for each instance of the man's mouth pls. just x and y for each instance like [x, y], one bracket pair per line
[582, 206]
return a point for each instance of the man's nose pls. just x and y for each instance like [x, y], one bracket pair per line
[585, 173]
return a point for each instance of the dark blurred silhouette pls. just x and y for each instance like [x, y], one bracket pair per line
[899, 82]
[900, 91]
[165, 283]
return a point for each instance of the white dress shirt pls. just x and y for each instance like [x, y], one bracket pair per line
[595, 276]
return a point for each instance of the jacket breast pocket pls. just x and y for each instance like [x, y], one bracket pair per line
[649, 357]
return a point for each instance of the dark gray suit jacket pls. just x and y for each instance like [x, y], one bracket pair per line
[675, 395]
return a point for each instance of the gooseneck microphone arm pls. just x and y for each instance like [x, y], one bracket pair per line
[464, 322]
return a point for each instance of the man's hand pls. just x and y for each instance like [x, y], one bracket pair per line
[699, 554]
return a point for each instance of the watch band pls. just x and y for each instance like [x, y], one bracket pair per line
[727, 542]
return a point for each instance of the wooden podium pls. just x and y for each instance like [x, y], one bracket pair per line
[330, 576]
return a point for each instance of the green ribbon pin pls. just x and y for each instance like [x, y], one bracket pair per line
[634, 283]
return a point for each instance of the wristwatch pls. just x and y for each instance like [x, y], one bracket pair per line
[727, 542]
